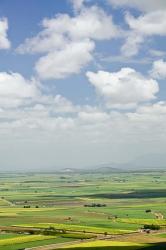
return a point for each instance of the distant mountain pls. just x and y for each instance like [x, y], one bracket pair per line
[150, 162]
[143, 163]
[107, 168]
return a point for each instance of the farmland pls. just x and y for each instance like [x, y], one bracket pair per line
[104, 210]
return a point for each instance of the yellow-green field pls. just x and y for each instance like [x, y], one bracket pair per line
[107, 243]
[24, 239]
[77, 228]
[52, 208]
[144, 221]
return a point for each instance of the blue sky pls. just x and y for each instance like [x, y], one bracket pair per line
[82, 82]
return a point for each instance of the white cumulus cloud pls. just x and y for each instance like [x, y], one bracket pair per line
[147, 25]
[68, 42]
[15, 89]
[4, 42]
[70, 60]
[143, 5]
[77, 4]
[159, 69]
[126, 87]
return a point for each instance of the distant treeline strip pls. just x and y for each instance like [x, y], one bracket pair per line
[157, 193]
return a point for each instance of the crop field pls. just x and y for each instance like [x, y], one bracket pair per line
[15, 242]
[23, 239]
[109, 244]
[38, 209]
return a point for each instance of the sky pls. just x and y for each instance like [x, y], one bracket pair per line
[82, 83]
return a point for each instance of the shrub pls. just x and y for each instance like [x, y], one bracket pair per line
[152, 227]
[148, 211]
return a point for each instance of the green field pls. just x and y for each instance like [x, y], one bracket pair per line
[18, 242]
[73, 206]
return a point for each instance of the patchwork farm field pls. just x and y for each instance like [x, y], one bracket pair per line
[80, 210]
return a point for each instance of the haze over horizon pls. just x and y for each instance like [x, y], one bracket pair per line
[82, 82]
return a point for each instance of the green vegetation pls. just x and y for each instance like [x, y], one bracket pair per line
[163, 235]
[40, 209]
[36, 243]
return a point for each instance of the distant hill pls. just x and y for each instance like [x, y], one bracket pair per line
[103, 168]
[107, 168]
[150, 162]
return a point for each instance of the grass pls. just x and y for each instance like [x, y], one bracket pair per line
[7, 236]
[162, 235]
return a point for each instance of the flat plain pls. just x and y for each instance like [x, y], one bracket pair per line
[83, 210]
